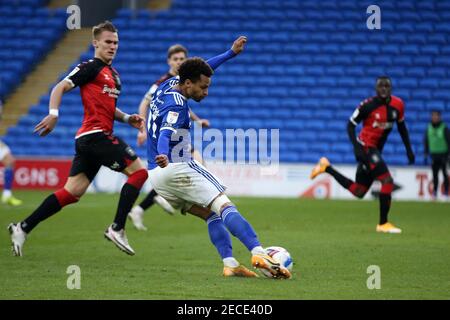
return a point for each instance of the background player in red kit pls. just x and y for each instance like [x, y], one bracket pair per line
[378, 115]
[94, 142]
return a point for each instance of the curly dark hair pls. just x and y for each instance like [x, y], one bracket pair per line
[193, 68]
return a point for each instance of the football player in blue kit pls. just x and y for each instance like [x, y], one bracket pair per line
[185, 183]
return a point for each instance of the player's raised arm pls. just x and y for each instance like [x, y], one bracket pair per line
[49, 122]
[236, 48]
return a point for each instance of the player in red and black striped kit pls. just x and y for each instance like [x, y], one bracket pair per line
[378, 115]
[95, 144]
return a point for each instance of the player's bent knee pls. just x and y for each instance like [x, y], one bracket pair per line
[138, 178]
[65, 197]
[201, 212]
[387, 184]
[220, 203]
[358, 190]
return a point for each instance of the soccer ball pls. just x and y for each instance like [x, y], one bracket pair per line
[281, 255]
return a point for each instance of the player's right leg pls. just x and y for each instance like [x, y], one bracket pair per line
[241, 229]
[82, 172]
[74, 188]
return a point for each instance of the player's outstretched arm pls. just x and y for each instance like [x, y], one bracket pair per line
[405, 137]
[49, 122]
[236, 48]
[134, 120]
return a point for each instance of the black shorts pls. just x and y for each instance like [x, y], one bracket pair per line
[372, 169]
[97, 149]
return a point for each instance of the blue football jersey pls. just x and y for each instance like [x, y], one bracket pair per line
[168, 111]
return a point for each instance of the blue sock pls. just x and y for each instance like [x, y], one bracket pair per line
[219, 236]
[239, 227]
[9, 178]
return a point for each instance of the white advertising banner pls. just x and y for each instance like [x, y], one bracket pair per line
[291, 181]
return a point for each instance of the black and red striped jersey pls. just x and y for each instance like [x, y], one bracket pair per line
[378, 118]
[100, 87]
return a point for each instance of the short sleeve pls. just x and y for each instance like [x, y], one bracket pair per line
[82, 74]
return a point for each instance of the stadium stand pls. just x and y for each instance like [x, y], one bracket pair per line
[27, 32]
[306, 67]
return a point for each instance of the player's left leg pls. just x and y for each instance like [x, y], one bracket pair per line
[114, 153]
[220, 238]
[435, 167]
[137, 175]
[241, 229]
[379, 171]
[8, 161]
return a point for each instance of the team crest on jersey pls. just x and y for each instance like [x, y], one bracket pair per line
[174, 82]
[115, 165]
[172, 117]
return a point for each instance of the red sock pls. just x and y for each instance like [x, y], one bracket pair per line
[138, 178]
[65, 197]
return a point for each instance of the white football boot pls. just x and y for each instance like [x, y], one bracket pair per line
[119, 238]
[18, 237]
[137, 217]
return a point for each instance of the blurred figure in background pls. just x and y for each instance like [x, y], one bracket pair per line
[437, 145]
[378, 115]
[7, 159]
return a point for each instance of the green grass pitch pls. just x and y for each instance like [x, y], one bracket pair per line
[332, 244]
